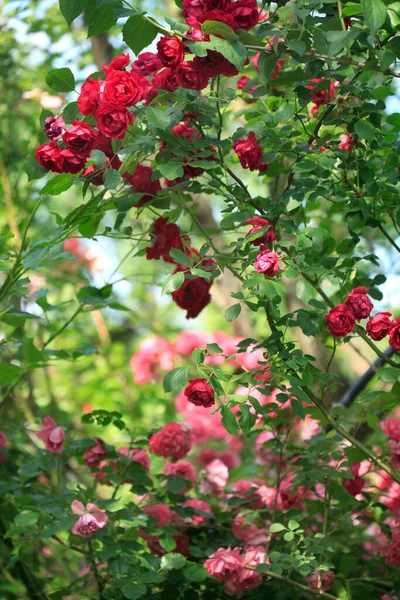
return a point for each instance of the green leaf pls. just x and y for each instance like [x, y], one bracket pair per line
[180, 257]
[71, 112]
[26, 518]
[171, 170]
[229, 421]
[175, 379]
[71, 9]
[374, 12]
[293, 525]
[61, 80]
[365, 129]
[138, 33]
[233, 312]
[30, 352]
[220, 29]
[173, 561]
[97, 158]
[289, 536]
[172, 282]
[158, 118]
[134, 591]
[299, 47]
[276, 527]
[351, 9]
[57, 185]
[195, 573]
[232, 50]
[94, 296]
[304, 291]
[100, 18]
[338, 40]
[9, 373]
[111, 179]
[267, 64]
[33, 169]
[246, 418]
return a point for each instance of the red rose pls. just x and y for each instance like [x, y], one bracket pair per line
[190, 76]
[172, 441]
[124, 89]
[355, 485]
[94, 455]
[241, 84]
[200, 393]
[379, 326]
[89, 98]
[141, 182]
[168, 236]
[359, 303]
[53, 127]
[48, 156]
[267, 262]
[119, 63]
[80, 138]
[193, 296]
[215, 64]
[245, 13]
[147, 63]
[71, 162]
[250, 153]
[220, 15]
[267, 238]
[113, 121]
[394, 335]
[340, 321]
[167, 80]
[190, 133]
[194, 10]
[171, 51]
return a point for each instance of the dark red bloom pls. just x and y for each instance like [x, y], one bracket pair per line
[224, 16]
[194, 10]
[124, 89]
[359, 303]
[142, 182]
[200, 393]
[89, 98]
[190, 76]
[80, 138]
[267, 238]
[171, 51]
[354, 486]
[340, 321]
[394, 335]
[48, 156]
[168, 236]
[379, 326]
[119, 63]
[250, 153]
[245, 13]
[193, 296]
[167, 80]
[147, 63]
[54, 127]
[71, 162]
[113, 121]
[172, 441]
[215, 64]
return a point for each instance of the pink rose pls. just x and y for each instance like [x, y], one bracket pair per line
[92, 518]
[224, 563]
[267, 262]
[199, 505]
[379, 326]
[325, 577]
[52, 435]
[173, 440]
[95, 454]
[391, 428]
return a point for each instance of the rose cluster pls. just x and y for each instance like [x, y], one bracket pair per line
[341, 319]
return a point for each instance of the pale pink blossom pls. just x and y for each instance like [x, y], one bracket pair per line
[391, 428]
[52, 435]
[92, 518]
[216, 478]
[154, 356]
[198, 505]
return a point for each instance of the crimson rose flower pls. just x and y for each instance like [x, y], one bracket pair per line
[193, 296]
[194, 10]
[267, 238]
[200, 393]
[119, 63]
[220, 15]
[80, 138]
[250, 153]
[174, 440]
[379, 326]
[124, 89]
[71, 162]
[394, 336]
[170, 51]
[267, 262]
[215, 64]
[355, 485]
[359, 303]
[48, 156]
[89, 98]
[147, 63]
[142, 182]
[168, 236]
[53, 127]
[113, 121]
[245, 13]
[190, 77]
[340, 321]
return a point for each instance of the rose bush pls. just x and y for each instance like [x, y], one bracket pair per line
[241, 170]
